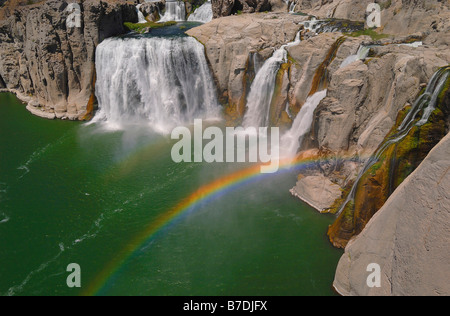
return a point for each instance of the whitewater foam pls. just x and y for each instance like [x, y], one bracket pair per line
[293, 138]
[263, 86]
[202, 14]
[175, 11]
[5, 218]
[161, 82]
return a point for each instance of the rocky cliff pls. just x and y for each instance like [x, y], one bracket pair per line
[51, 65]
[407, 238]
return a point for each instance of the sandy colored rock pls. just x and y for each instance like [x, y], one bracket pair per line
[318, 191]
[364, 99]
[409, 237]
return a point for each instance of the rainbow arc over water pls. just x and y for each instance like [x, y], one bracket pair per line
[202, 195]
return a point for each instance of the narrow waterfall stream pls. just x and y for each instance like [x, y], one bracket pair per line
[141, 18]
[425, 103]
[292, 6]
[293, 138]
[363, 52]
[262, 88]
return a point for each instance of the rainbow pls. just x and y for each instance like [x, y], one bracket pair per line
[186, 206]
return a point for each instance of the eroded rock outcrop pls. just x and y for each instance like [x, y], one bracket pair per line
[408, 238]
[152, 10]
[50, 65]
[229, 7]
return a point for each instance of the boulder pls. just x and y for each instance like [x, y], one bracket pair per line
[152, 10]
[317, 191]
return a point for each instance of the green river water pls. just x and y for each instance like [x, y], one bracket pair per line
[72, 192]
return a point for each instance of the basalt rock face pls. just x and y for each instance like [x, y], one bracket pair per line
[229, 7]
[50, 64]
[408, 238]
[152, 10]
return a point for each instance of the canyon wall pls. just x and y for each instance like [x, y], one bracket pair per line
[50, 65]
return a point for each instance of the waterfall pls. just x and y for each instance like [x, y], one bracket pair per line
[140, 15]
[175, 11]
[202, 14]
[292, 139]
[312, 25]
[414, 44]
[362, 54]
[262, 88]
[164, 82]
[292, 7]
[426, 103]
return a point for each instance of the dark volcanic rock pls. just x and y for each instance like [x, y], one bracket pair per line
[229, 7]
[51, 63]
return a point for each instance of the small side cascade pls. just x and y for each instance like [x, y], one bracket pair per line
[262, 88]
[140, 15]
[292, 7]
[425, 103]
[202, 14]
[362, 54]
[293, 138]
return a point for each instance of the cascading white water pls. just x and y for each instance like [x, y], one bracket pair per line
[165, 82]
[140, 14]
[362, 54]
[414, 44]
[292, 6]
[203, 14]
[262, 88]
[175, 11]
[312, 25]
[292, 139]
